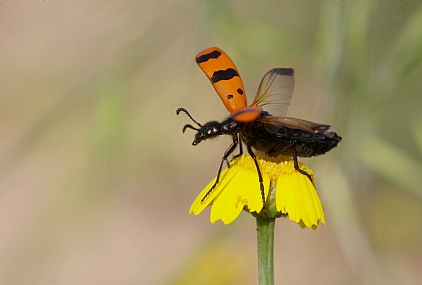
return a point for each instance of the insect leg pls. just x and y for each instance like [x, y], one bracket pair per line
[240, 149]
[235, 141]
[298, 169]
[227, 153]
[261, 184]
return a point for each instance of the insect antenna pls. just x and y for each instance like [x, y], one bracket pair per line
[190, 117]
[189, 126]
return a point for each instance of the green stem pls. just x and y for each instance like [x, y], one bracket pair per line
[265, 228]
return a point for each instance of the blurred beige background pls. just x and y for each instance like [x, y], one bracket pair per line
[97, 178]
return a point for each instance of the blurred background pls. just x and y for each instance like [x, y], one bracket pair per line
[97, 177]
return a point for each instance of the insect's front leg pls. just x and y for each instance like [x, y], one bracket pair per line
[261, 184]
[227, 153]
[240, 149]
[235, 143]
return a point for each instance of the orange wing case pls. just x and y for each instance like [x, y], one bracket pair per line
[225, 78]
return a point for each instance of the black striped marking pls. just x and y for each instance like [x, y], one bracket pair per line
[206, 57]
[224, 75]
[283, 71]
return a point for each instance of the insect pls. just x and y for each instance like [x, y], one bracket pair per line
[262, 126]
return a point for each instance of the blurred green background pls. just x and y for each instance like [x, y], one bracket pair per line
[97, 177]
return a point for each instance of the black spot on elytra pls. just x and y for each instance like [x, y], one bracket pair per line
[224, 75]
[206, 57]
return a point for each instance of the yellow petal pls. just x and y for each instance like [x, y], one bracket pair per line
[285, 200]
[225, 177]
[244, 190]
[225, 207]
[312, 203]
[250, 190]
[297, 197]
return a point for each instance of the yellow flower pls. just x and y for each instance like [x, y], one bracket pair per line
[295, 196]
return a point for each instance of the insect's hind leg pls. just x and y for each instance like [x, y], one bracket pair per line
[229, 151]
[261, 183]
[296, 163]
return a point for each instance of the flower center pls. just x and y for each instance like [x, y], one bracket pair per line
[273, 167]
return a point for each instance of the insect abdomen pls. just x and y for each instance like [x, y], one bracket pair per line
[286, 141]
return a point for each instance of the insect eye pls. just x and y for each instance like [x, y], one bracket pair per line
[240, 91]
[230, 96]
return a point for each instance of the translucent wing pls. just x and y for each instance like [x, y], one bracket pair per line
[300, 124]
[276, 91]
